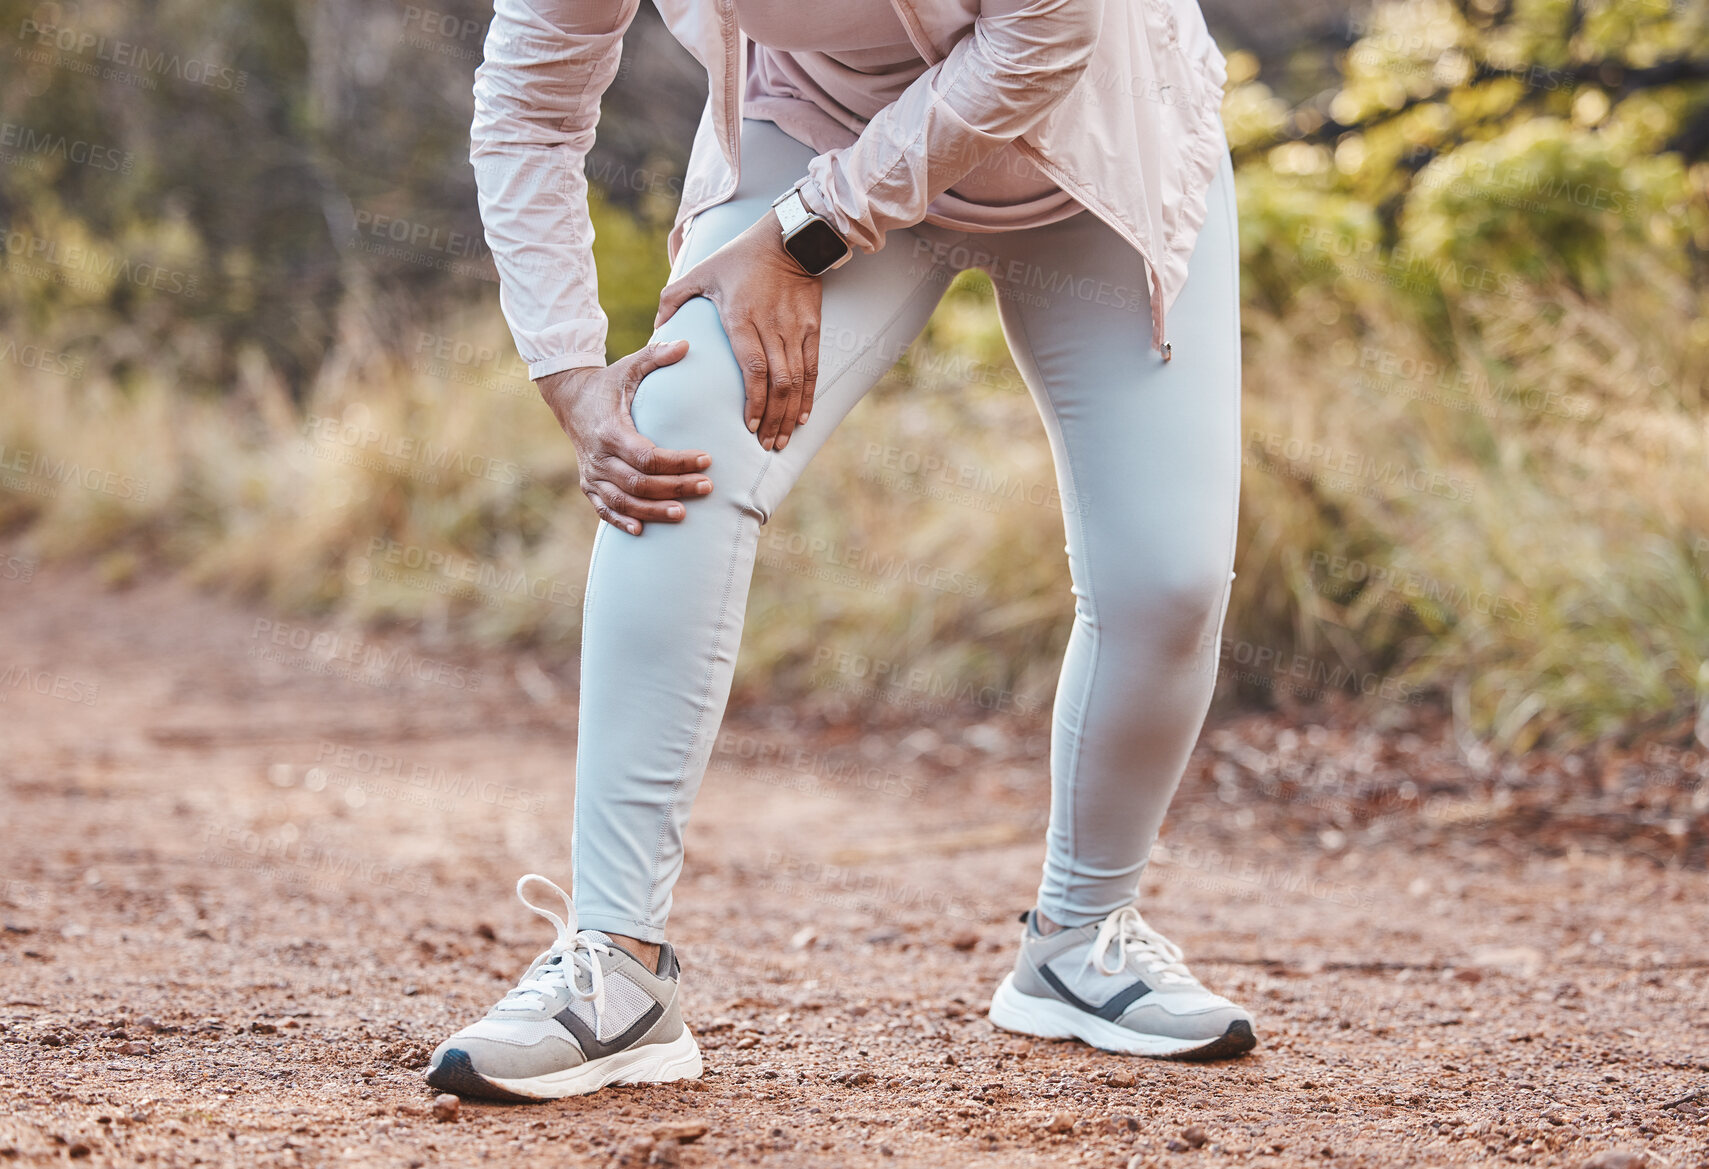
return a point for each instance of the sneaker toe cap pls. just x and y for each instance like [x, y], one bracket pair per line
[1207, 1018]
[509, 1050]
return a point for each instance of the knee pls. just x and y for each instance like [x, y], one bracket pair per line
[1167, 617]
[695, 404]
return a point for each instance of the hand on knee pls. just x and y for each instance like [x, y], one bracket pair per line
[629, 480]
[770, 310]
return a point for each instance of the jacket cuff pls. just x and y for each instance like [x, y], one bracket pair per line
[814, 199]
[551, 365]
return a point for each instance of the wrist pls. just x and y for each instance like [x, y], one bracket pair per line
[562, 390]
[571, 378]
[807, 237]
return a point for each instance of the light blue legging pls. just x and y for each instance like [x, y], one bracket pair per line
[1148, 465]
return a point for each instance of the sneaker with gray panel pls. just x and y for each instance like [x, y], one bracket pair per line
[1121, 986]
[586, 1014]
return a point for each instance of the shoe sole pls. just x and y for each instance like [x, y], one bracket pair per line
[1043, 1018]
[653, 1063]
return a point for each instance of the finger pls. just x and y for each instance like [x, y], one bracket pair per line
[656, 355]
[791, 389]
[622, 437]
[630, 465]
[631, 511]
[605, 513]
[639, 452]
[676, 294]
[780, 383]
[750, 356]
[810, 368]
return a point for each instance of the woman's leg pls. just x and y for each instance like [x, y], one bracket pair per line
[663, 615]
[1148, 459]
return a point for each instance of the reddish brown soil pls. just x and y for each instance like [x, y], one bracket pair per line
[229, 939]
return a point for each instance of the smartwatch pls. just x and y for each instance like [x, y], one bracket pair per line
[811, 242]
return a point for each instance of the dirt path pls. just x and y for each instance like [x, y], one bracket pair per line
[256, 870]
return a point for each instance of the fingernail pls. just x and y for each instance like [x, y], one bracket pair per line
[674, 512]
[703, 462]
[704, 487]
[753, 425]
[782, 442]
[804, 418]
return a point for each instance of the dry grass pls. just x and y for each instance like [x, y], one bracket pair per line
[1523, 522]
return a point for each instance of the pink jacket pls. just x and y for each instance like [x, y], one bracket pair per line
[1117, 101]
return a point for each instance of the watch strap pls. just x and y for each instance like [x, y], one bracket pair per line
[791, 211]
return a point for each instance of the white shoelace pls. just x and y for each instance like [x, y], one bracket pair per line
[560, 965]
[1125, 934]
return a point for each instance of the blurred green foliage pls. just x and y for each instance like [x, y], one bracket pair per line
[1476, 250]
[288, 162]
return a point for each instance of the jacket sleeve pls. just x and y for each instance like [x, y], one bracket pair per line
[1021, 59]
[546, 65]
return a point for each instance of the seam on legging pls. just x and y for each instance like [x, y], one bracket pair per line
[1091, 598]
[705, 691]
[834, 379]
[699, 718]
[587, 608]
[724, 604]
[1232, 218]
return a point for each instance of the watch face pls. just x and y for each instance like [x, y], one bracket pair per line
[816, 246]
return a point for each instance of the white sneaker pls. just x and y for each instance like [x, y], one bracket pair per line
[586, 1014]
[1121, 986]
